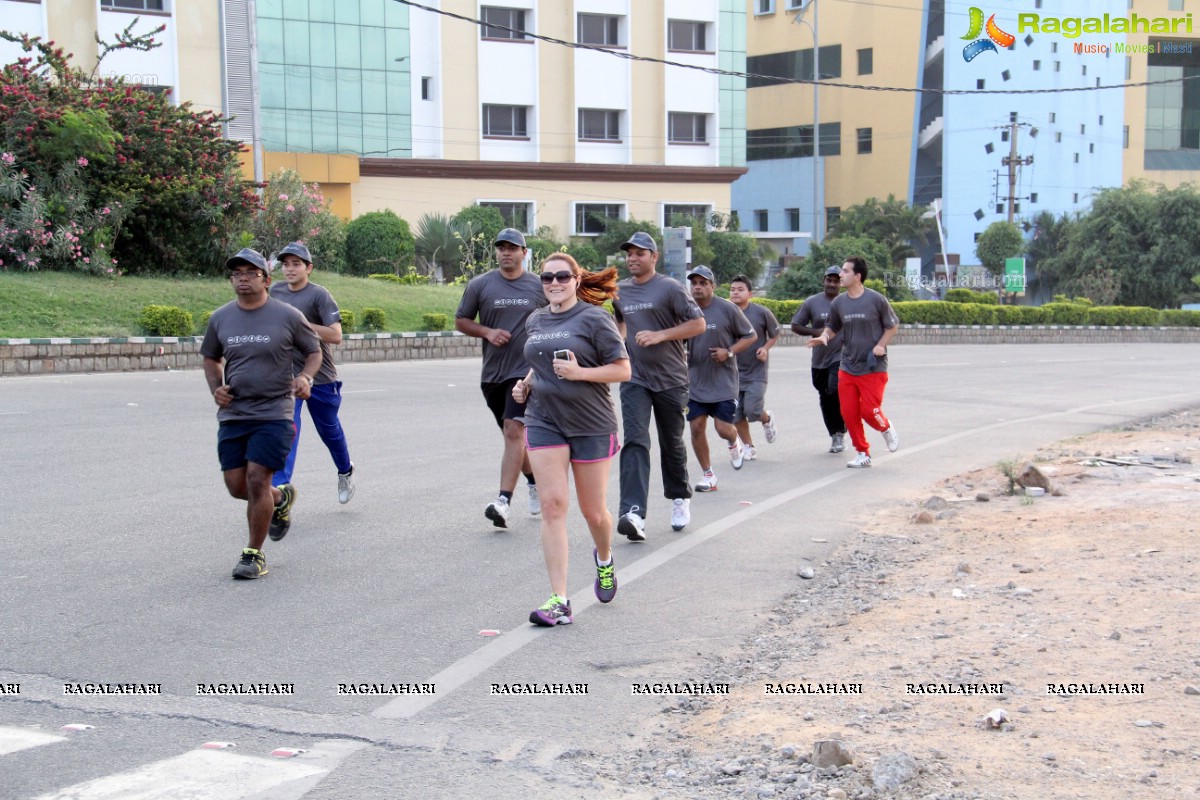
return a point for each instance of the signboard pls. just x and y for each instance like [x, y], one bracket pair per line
[1014, 276]
[677, 252]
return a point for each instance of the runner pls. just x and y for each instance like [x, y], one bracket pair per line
[752, 367]
[810, 320]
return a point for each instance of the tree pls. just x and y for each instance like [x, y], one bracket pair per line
[998, 242]
[805, 278]
[1048, 244]
[617, 232]
[437, 246]
[894, 223]
[485, 220]
[295, 211]
[378, 242]
[735, 254]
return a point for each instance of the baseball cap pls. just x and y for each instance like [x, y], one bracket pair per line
[297, 249]
[832, 271]
[642, 240]
[510, 235]
[703, 272]
[249, 256]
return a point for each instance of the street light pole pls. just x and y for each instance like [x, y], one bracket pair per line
[815, 29]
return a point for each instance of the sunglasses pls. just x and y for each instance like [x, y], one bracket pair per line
[562, 277]
[239, 275]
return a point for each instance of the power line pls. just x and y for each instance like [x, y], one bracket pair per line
[628, 56]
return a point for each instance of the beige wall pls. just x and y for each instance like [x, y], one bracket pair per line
[73, 27]
[199, 37]
[460, 83]
[648, 86]
[556, 79]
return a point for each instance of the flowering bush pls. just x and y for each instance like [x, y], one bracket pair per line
[295, 211]
[171, 182]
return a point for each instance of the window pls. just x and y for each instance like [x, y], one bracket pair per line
[792, 65]
[1037, 65]
[1125, 138]
[426, 88]
[1174, 5]
[505, 121]
[137, 5]
[1053, 117]
[686, 128]
[509, 18]
[687, 36]
[864, 140]
[600, 125]
[672, 212]
[762, 220]
[866, 61]
[592, 218]
[601, 29]
[516, 215]
[1054, 47]
[792, 142]
[1058, 137]
[793, 217]
[832, 215]
[764, 6]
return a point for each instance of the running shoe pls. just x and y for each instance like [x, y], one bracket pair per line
[555, 611]
[535, 502]
[736, 458]
[497, 512]
[708, 482]
[346, 485]
[769, 428]
[251, 565]
[861, 460]
[606, 579]
[632, 526]
[281, 520]
[892, 438]
[681, 513]
[838, 443]
[749, 453]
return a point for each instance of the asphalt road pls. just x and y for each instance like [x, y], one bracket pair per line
[117, 539]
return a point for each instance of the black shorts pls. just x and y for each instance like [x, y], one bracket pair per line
[726, 410]
[500, 400]
[584, 449]
[265, 442]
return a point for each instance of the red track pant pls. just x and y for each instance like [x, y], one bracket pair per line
[860, 397]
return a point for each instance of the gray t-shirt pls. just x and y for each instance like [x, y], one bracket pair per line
[814, 313]
[318, 306]
[708, 380]
[573, 408]
[504, 304]
[258, 347]
[861, 322]
[656, 305]
[750, 369]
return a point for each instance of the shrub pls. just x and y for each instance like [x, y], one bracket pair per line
[349, 321]
[1032, 315]
[294, 211]
[374, 319]
[166, 321]
[1177, 318]
[434, 322]
[410, 277]
[935, 312]
[378, 239]
[1008, 315]
[1065, 314]
[970, 296]
[203, 326]
[783, 310]
[1122, 315]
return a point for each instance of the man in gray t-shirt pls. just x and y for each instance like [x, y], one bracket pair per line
[656, 315]
[248, 352]
[713, 373]
[810, 320]
[321, 310]
[503, 299]
[752, 366]
[866, 322]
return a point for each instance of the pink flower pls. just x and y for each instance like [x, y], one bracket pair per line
[87, 260]
[283, 197]
[291, 207]
[8, 158]
[83, 162]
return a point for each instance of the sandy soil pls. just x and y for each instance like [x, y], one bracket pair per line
[1094, 586]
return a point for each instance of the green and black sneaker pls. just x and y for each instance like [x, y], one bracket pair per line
[252, 565]
[281, 520]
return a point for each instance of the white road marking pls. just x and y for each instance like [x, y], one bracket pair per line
[475, 664]
[14, 739]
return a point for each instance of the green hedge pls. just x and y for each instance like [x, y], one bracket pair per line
[783, 310]
[1066, 313]
[349, 321]
[971, 296]
[1177, 318]
[374, 319]
[166, 321]
[434, 322]
[1123, 315]
[933, 312]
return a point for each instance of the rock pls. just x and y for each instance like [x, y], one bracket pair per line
[893, 770]
[1049, 757]
[732, 769]
[806, 572]
[1115, 636]
[837, 794]
[830, 753]
[923, 518]
[963, 566]
[1034, 491]
[1191, 690]
[948, 513]
[1144, 723]
[1030, 475]
[935, 503]
[1022, 592]
[983, 497]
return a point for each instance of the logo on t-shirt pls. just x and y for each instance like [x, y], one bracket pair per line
[253, 338]
[541, 337]
[511, 301]
[629, 309]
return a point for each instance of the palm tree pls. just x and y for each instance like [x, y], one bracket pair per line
[437, 245]
[891, 222]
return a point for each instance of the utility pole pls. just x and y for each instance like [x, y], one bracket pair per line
[1012, 161]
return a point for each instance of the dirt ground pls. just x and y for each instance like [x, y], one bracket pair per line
[1093, 583]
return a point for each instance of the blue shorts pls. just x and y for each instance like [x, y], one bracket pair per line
[726, 410]
[264, 442]
[584, 449]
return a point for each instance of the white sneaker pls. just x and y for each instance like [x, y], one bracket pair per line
[838, 443]
[681, 513]
[892, 438]
[632, 526]
[497, 512]
[346, 485]
[861, 460]
[749, 453]
[769, 428]
[708, 482]
[535, 502]
[736, 458]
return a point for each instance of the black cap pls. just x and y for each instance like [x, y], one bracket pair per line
[248, 256]
[641, 240]
[297, 249]
[510, 235]
[832, 271]
[703, 272]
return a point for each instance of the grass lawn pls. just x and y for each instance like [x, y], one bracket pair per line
[43, 304]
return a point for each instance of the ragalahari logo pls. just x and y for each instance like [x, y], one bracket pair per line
[995, 35]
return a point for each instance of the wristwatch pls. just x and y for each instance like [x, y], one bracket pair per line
[308, 378]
